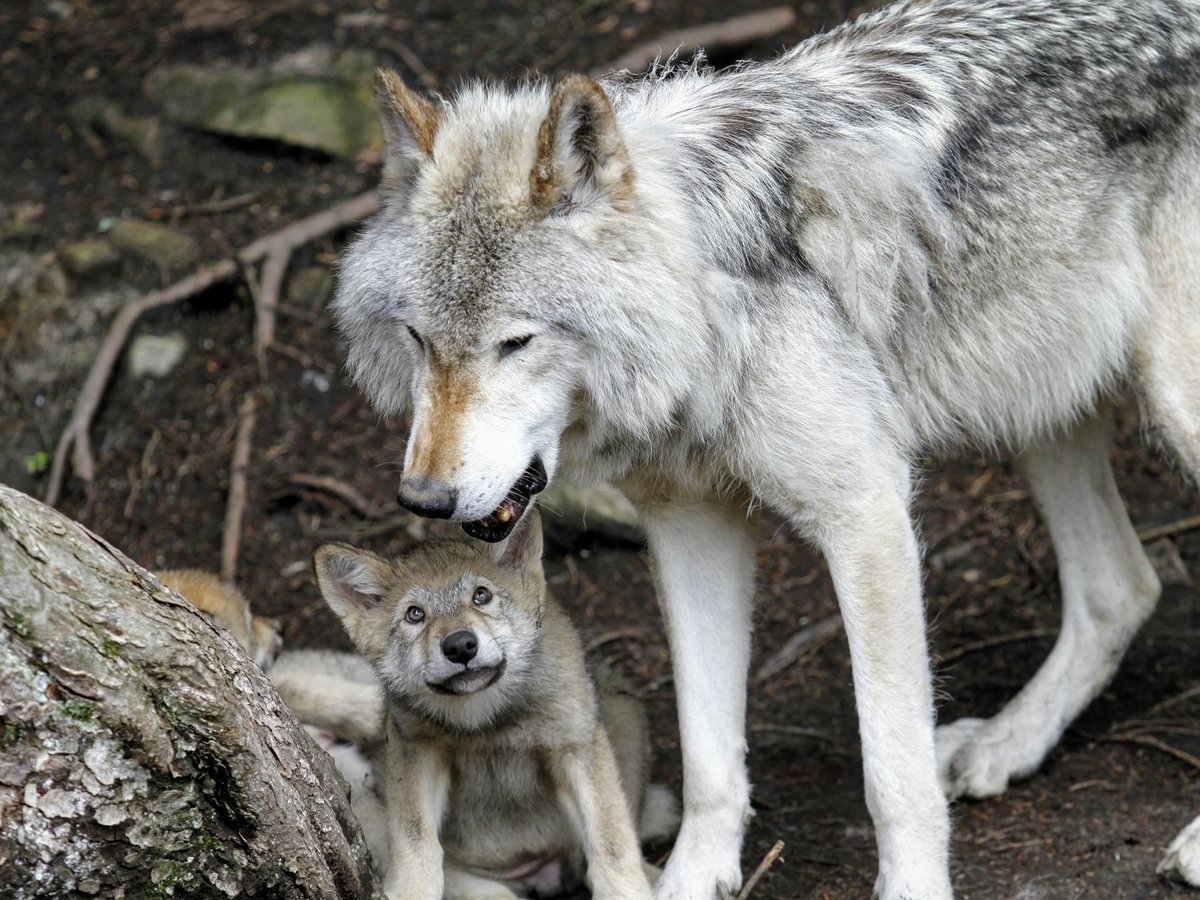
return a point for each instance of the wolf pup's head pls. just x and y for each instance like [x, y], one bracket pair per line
[451, 628]
[502, 286]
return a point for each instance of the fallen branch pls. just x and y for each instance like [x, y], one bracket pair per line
[75, 436]
[797, 644]
[730, 32]
[1147, 740]
[998, 641]
[1188, 524]
[235, 508]
[756, 876]
[347, 493]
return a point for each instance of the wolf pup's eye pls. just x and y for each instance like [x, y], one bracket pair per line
[482, 596]
[414, 615]
[512, 345]
[416, 337]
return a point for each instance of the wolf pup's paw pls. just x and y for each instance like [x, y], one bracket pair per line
[1182, 862]
[972, 763]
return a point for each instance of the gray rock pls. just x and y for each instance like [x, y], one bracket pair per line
[311, 99]
[170, 250]
[88, 256]
[156, 354]
[97, 116]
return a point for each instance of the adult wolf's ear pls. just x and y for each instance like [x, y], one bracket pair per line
[522, 550]
[579, 151]
[410, 125]
[353, 583]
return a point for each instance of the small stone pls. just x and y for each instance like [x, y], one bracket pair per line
[156, 355]
[88, 256]
[170, 250]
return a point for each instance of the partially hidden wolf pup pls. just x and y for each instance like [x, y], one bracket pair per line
[946, 224]
[227, 606]
[507, 767]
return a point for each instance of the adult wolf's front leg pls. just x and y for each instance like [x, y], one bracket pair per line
[873, 558]
[705, 567]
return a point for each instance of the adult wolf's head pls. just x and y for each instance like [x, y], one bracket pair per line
[509, 245]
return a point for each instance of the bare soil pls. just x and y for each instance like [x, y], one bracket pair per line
[1092, 823]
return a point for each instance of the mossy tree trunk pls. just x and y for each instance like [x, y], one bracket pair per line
[141, 753]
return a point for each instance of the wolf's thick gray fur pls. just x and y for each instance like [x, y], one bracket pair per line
[946, 223]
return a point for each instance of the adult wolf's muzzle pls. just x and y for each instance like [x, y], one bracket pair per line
[500, 523]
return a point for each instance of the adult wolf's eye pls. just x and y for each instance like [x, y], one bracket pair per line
[416, 337]
[414, 615]
[512, 345]
[482, 596]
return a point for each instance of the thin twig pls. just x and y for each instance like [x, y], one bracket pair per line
[1193, 691]
[266, 302]
[767, 862]
[1147, 740]
[211, 207]
[235, 509]
[75, 436]
[1188, 524]
[998, 641]
[735, 31]
[618, 634]
[797, 644]
[344, 491]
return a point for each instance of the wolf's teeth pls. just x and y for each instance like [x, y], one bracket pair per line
[504, 513]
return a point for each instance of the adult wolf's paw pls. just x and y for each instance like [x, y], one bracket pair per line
[1182, 862]
[972, 761]
[704, 864]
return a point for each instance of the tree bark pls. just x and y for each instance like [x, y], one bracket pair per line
[141, 753]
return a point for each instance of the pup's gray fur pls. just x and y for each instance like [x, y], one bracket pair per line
[513, 771]
[945, 224]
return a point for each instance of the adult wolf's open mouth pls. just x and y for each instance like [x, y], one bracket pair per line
[498, 525]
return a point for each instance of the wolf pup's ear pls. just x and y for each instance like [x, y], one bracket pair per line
[522, 550]
[352, 582]
[410, 125]
[579, 156]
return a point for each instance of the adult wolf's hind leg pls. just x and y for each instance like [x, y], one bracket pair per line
[1109, 589]
[1167, 362]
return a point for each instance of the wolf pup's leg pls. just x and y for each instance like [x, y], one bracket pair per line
[465, 886]
[1109, 589]
[705, 566]
[590, 788]
[417, 788]
[869, 542]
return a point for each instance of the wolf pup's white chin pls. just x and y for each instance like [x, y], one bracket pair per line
[946, 224]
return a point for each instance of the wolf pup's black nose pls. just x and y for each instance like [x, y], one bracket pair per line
[431, 499]
[460, 647]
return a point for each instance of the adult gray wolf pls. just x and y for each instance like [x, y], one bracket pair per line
[944, 224]
[507, 766]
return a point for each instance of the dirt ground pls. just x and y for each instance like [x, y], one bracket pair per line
[1092, 823]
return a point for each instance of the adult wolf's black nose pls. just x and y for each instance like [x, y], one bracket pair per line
[431, 499]
[460, 647]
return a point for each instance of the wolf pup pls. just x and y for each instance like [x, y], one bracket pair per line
[228, 607]
[507, 767]
[946, 224]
